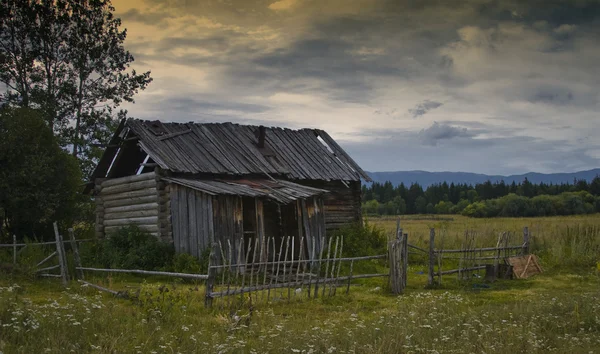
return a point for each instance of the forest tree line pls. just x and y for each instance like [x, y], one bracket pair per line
[483, 199]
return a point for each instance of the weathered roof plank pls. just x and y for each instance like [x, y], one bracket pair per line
[232, 149]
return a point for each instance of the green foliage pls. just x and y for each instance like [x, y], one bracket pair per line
[186, 263]
[512, 205]
[362, 240]
[129, 248]
[39, 181]
[443, 207]
[66, 58]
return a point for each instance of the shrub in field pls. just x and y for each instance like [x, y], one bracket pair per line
[186, 263]
[129, 248]
[362, 240]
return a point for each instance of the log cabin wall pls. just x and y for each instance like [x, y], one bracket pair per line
[342, 206]
[131, 200]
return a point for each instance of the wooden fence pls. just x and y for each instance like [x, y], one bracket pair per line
[59, 255]
[281, 270]
[471, 258]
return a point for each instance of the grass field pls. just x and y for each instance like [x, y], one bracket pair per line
[558, 311]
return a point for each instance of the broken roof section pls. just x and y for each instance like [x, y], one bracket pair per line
[233, 149]
[283, 192]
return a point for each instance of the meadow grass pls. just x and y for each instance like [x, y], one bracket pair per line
[557, 311]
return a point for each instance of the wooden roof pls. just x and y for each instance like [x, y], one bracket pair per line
[283, 192]
[233, 149]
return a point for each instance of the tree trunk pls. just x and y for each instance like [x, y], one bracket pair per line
[78, 119]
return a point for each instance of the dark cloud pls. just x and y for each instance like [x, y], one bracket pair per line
[437, 132]
[424, 107]
[501, 69]
[552, 95]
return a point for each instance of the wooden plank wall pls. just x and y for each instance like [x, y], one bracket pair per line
[228, 223]
[131, 200]
[191, 219]
[313, 224]
[342, 206]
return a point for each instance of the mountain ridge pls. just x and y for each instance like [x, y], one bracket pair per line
[425, 178]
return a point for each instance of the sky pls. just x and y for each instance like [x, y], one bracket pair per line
[497, 87]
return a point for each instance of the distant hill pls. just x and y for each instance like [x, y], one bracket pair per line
[426, 179]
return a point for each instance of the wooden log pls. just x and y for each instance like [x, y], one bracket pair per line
[405, 256]
[349, 277]
[210, 280]
[484, 249]
[47, 268]
[132, 207]
[127, 187]
[318, 267]
[453, 271]
[148, 228]
[129, 179]
[46, 259]
[99, 217]
[147, 272]
[150, 220]
[327, 265]
[50, 275]
[119, 294]
[76, 257]
[430, 276]
[525, 240]
[141, 196]
[130, 215]
[60, 253]
[14, 249]
[4, 245]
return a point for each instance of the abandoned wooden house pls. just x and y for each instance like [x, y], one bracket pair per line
[193, 184]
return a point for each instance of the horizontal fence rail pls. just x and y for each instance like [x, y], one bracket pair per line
[6, 245]
[146, 272]
[485, 249]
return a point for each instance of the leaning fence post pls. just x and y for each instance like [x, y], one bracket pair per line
[60, 253]
[76, 258]
[430, 277]
[15, 250]
[525, 240]
[210, 282]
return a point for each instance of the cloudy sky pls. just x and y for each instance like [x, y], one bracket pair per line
[480, 86]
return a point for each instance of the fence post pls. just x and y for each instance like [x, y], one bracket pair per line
[15, 250]
[430, 277]
[61, 257]
[76, 258]
[212, 273]
[525, 240]
[405, 270]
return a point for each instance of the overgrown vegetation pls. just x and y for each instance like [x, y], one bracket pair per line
[129, 248]
[362, 240]
[557, 311]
